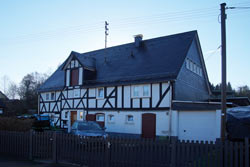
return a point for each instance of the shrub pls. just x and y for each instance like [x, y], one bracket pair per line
[14, 124]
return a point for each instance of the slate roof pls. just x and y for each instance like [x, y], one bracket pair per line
[158, 59]
[2, 105]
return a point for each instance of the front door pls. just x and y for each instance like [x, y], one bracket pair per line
[148, 125]
[73, 117]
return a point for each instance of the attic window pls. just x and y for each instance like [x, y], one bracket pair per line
[74, 77]
[190, 65]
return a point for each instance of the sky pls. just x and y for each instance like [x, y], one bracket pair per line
[37, 36]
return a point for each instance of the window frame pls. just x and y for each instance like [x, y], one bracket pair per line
[129, 121]
[97, 93]
[109, 120]
[47, 96]
[52, 97]
[148, 85]
[140, 91]
[97, 116]
[132, 92]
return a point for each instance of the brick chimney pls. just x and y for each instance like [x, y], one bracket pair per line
[138, 40]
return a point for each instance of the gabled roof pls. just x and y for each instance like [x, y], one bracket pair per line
[3, 96]
[158, 59]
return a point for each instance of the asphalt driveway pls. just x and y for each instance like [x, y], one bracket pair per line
[10, 162]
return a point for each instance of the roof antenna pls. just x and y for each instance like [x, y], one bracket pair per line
[106, 32]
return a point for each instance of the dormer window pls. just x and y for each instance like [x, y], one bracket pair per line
[74, 77]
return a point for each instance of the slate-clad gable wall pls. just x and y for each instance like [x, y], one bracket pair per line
[189, 85]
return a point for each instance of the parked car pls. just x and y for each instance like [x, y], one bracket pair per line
[41, 123]
[88, 129]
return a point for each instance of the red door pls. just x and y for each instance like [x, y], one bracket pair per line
[148, 125]
[73, 117]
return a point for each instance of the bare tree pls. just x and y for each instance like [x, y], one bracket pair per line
[12, 91]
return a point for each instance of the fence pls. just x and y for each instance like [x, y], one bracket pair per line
[60, 147]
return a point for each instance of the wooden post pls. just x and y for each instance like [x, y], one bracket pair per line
[54, 148]
[107, 151]
[30, 144]
[173, 153]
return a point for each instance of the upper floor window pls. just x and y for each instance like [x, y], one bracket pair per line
[193, 67]
[135, 91]
[145, 91]
[74, 77]
[140, 91]
[52, 96]
[47, 96]
[100, 93]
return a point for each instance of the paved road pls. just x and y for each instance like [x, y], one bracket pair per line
[9, 162]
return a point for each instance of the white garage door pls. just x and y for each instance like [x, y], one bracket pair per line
[197, 125]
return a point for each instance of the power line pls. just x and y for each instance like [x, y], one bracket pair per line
[125, 23]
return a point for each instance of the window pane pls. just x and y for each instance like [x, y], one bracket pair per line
[100, 92]
[47, 96]
[130, 118]
[100, 117]
[52, 96]
[136, 91]
[146, 90]
[111, 118]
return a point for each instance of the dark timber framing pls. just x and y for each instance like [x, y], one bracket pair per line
[64, 102]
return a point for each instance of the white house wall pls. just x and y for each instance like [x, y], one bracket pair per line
[119, 125]
[117, 98]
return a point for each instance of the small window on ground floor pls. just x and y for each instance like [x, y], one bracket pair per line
[100, 117]
[129, 119]
[111, 118]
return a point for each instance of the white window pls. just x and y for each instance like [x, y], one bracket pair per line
[111, 118]
[138, 91]
[72, 64]
[1, 111]
[76, 92]
[100, 93]
[47, 96]
[100, 117]
[135, 92]
[129, 119]
[52, 96]
[145, 92]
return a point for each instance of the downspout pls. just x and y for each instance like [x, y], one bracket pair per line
[170, 111]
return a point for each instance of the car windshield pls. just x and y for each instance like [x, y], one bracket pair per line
[88, 126]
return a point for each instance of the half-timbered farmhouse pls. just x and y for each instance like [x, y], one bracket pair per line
[155, 87]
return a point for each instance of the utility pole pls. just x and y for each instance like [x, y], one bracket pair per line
[223, 71]
[106, 33]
